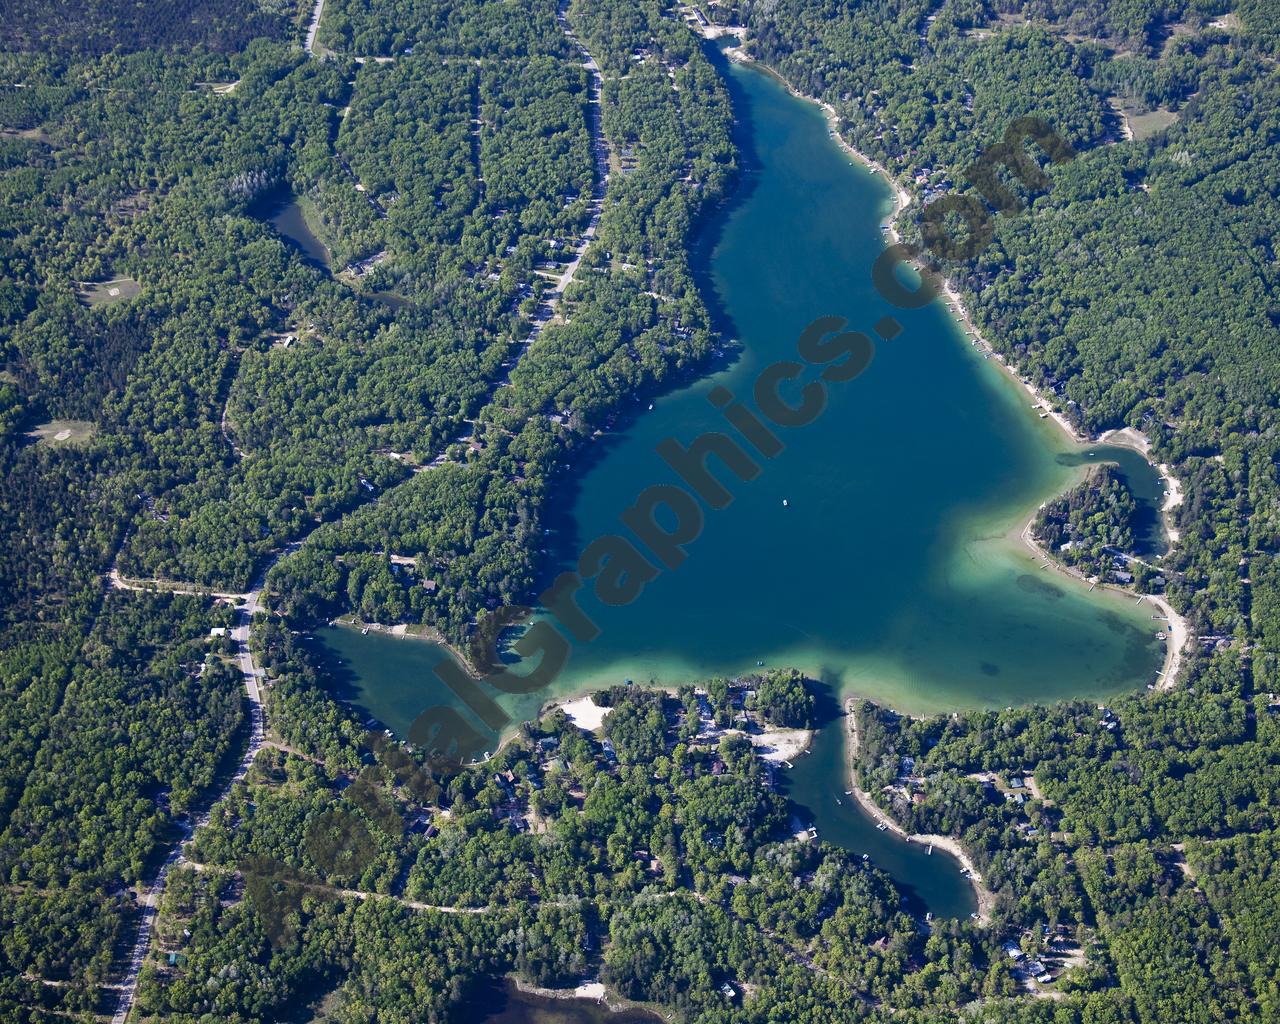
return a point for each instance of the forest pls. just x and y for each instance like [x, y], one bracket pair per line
[1091, 523]
[1104, 820]
[656, 854]
[212, 395]
[186, 397]
[1137, 290]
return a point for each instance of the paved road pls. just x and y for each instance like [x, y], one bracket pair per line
[249, 603]
[314, 27]
[252, 676]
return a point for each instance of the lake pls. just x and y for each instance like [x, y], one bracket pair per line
[499, 1001]
[283, 211]
[881, 551]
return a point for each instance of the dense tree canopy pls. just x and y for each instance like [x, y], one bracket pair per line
[396, 415]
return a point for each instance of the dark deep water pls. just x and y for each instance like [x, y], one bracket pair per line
[880, 551]
[281, 209]
[500, 1002]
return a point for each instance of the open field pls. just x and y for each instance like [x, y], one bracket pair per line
[104, 293]
[64, 432]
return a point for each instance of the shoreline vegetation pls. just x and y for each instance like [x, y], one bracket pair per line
[586, 990]
[985, 897]
[775, 744]
[1126, 437]
[585, 714]
[902, 199]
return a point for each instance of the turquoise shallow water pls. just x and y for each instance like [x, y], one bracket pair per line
[875, 551]
[879, 550]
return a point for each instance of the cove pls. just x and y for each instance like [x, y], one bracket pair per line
[880, 552]
[283, 211]
[500, 1001]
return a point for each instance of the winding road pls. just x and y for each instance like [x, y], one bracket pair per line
[250, 603]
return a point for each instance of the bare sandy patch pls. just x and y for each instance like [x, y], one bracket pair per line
[781, 745]
[584, 713]
[64, 432]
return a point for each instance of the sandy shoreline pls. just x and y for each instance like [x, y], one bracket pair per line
[902, 198]
[986, 899]
[777, 745]
[594, 990]
[1127, 437]
[1176, 628]
[583, 712]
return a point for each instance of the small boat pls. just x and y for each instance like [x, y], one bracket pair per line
[881, 826]
[785, 503]
[838, 801]
[929, 852]
[866, 856]
[651, 407]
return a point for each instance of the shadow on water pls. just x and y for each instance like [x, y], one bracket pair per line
[565, 540]
[817, 786]
[280, 208]
[711, 232]
[388, 681]
[499, 1001]
[1143, 481]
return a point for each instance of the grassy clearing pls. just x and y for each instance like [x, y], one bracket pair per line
[64, 432]
[1136, 122]
[104, 293]
[30, 134]
[1144, 125]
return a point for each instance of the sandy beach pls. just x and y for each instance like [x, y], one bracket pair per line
[986, 899]
[775, 745]
[585, 990]
[583, 712]
[1128, 437]
[780, 745]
